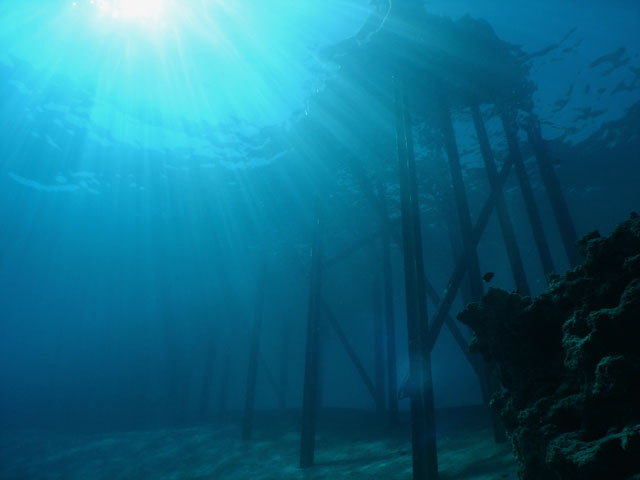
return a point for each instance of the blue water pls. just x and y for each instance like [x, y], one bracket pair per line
[153, 154]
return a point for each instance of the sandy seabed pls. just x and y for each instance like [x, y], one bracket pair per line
[349, 445]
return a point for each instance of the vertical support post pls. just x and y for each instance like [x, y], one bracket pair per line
[423, 440]
[508, 234]
[224, 384]
[378, 348]
[392, 372]
[423, 319]
[510, 130]
[207, 379]
[552, 185]
[488, 384]
[284, 363]
[254, 355]
[460, 196]
[310, 397]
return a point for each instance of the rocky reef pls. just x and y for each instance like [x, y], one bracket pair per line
[569, 363]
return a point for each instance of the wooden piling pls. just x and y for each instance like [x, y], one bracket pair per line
[421, 291]
[424, 450]
[378, 347]
[254, 356]
[284, 363]
[224, 384]
[207, 379]
[392, 374]
[311, 381]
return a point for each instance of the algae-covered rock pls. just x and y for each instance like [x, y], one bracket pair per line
[569, 362]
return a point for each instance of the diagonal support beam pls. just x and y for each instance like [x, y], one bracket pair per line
[333, 321]
[453, 285]
[352, 249]
[460, 197]
[544, 252]
[554, 191]
[508, 234]
[460, 339]
[271, 379]
[470, 248]
[441, 315]
[432, 293]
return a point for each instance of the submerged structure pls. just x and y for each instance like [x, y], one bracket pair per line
[415, 176]
[417, 73]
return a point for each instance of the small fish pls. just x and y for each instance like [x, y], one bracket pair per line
[488, 276]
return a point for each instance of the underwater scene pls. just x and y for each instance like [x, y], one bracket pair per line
[339, 239]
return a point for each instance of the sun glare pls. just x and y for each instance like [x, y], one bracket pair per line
[143, 11]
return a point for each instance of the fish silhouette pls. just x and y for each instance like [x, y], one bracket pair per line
[488, 276]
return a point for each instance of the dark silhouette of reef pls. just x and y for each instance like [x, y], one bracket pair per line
[569, 362]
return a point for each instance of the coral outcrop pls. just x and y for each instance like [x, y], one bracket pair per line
[569, 363]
